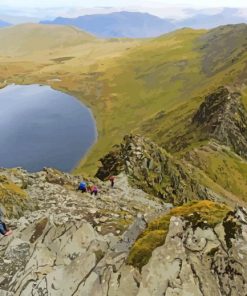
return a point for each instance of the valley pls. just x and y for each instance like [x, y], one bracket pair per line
[142, 85]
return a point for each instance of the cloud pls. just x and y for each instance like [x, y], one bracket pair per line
[172, 9]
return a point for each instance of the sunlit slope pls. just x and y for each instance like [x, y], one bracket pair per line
[223, 62]
[152, 87]
[159, 74]
[29, 38]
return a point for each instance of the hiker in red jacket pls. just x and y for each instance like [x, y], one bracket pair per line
[112, 180]
[93, 190]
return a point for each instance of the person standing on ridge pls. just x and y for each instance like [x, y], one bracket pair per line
[112, 180]
[3, 228]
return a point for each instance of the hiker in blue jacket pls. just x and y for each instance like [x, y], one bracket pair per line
[82, 187]
[3, 228]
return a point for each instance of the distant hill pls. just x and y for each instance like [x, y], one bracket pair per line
[141, 25]
[119, 24]
[28, 38]
[205, 21]
[4, 24]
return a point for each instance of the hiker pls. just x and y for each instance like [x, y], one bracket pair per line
[112, 180]
[82, 187]
[94, 190]
[3, 228]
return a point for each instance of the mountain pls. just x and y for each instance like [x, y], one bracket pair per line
[171, 114]
[136, 25]
[119, 24]
[124, 241]
[28, 38]
[4, 24]
[205, 21]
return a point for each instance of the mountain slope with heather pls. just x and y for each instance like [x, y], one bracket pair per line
[175, 221]
[155, 87]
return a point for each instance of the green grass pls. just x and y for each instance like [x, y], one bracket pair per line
[13, 199]
[152, 87]
[223, 167]
[200, 214]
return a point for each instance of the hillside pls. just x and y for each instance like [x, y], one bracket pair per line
[171, 114]
[122, 241]
[28, 38]
[153, 87]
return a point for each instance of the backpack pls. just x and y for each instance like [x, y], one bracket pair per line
[82, 185]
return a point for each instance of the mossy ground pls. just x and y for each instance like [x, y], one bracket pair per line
[203, 214]
[12, 198]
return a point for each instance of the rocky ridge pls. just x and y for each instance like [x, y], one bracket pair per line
[69, 233]
[65, 242]
[155, 171]
[73, 245]
[222, 116]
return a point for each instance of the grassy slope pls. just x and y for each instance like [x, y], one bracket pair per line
[28, 38]
[150, 86]
[203, 214]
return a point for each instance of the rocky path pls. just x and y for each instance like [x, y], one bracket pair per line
[76, 245]
[72, 239]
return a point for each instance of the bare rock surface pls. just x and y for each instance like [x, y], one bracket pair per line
[222, 116]
[76, 244]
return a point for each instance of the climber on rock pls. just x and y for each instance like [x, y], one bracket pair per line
[112, 180]
[82, 187]
[93, 190]
[3, 228]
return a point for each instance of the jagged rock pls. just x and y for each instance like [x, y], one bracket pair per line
[60, 240]
[152, 169]
[222, 116]
[196, 262]
[14, 201]
[59, 250]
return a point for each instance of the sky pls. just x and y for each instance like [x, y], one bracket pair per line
[176, 9]
[116, 3]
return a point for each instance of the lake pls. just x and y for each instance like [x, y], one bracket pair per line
[41, 127]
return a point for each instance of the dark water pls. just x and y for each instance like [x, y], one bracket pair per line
[42, 127]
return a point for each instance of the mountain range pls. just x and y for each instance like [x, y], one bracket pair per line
[119, 24]
[139, 25]
[4, 24]
[136, 25]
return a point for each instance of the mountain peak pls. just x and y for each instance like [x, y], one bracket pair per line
[223, 116]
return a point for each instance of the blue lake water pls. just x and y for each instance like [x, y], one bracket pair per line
[41, 127]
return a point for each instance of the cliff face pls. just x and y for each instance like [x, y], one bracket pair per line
[223, 117]
[75, 244]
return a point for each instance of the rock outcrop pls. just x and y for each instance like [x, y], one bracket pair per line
[14, 201]
[152, 169]
[75, 244]
[199, 262]
[222, 116]
[72, 242]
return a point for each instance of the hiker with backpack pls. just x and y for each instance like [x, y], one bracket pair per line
[93, 190]
[82, 187]
[3, 228]
[112, 180]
